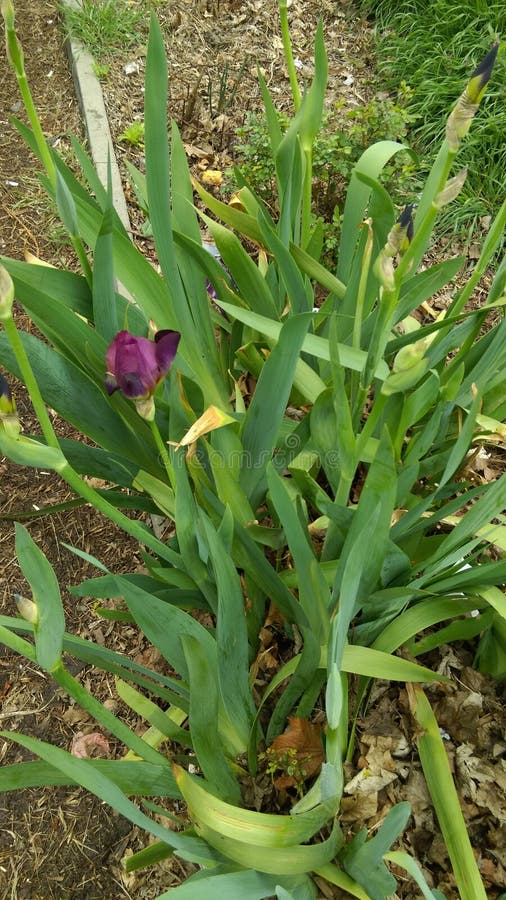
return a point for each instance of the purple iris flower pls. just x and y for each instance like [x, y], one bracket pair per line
[136, 365]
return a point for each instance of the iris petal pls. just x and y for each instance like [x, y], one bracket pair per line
[166, 344]
[136, 365]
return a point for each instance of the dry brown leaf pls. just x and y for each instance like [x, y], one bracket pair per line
[358, 808]
[459, 714]
[483, 783]
[492, 872]
[74, 714]
[367, 782]
[97, 483]
[304, 740]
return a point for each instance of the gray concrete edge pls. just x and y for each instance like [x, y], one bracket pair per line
[94, 114]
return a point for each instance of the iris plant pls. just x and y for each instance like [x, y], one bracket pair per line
[136, 366]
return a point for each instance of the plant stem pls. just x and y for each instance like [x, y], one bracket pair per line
[30, 382]
[136, 529]
[488, 248]
[364, 274]
[429, 212]
[307, 198]
[16, 59]
[372, 420]
[162, 449]
[379, 339]
[359, 310]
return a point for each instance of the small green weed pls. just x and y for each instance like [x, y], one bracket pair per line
[133, 134]
[221, 96]
[101, 70]
[344, 136]
[107, 27]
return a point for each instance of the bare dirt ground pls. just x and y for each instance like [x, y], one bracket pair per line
[63, 844]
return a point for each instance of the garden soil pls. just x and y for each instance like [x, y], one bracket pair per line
[63, 844]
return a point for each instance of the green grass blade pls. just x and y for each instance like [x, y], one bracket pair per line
[313, 591]
[358, 573]
[444, 797]
[231, 638]
[422, 616]
[363, 860]
[149, 856]
[373, 663]
[475, 521]
[97, 188]
[40, 575]
[423, 285]
[275, 133]
[160, 719]
[316, 346]
[86, 774]
[405, 861]
[168, 689]
[311, 108]
[250, 557]
[234, 218]
[245, 825]
[266, 410]
[371, 164]
[14, 641]
[207, 740]
[71, 289]
[157, 168]
[336, 876]
[164, 625]
[275, 860]
[185, 221]
[459, 630]
[462, 444]
[249, 885]
[133, 269]
[196, 349]
[137, 778]
[186, 516]
[298, 291]
[252, 286]
[495, 598]
[317, 271]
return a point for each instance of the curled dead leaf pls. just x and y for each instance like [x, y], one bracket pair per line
[85, 746]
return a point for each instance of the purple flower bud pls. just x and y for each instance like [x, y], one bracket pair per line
[481, 75]
[9, 420]
[459, 120]
[136, 365]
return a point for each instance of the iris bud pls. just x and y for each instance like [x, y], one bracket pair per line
[6, 294]
[9, 420]
[27, 609]
[409, 356]
[136, 366]
[459, 120]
